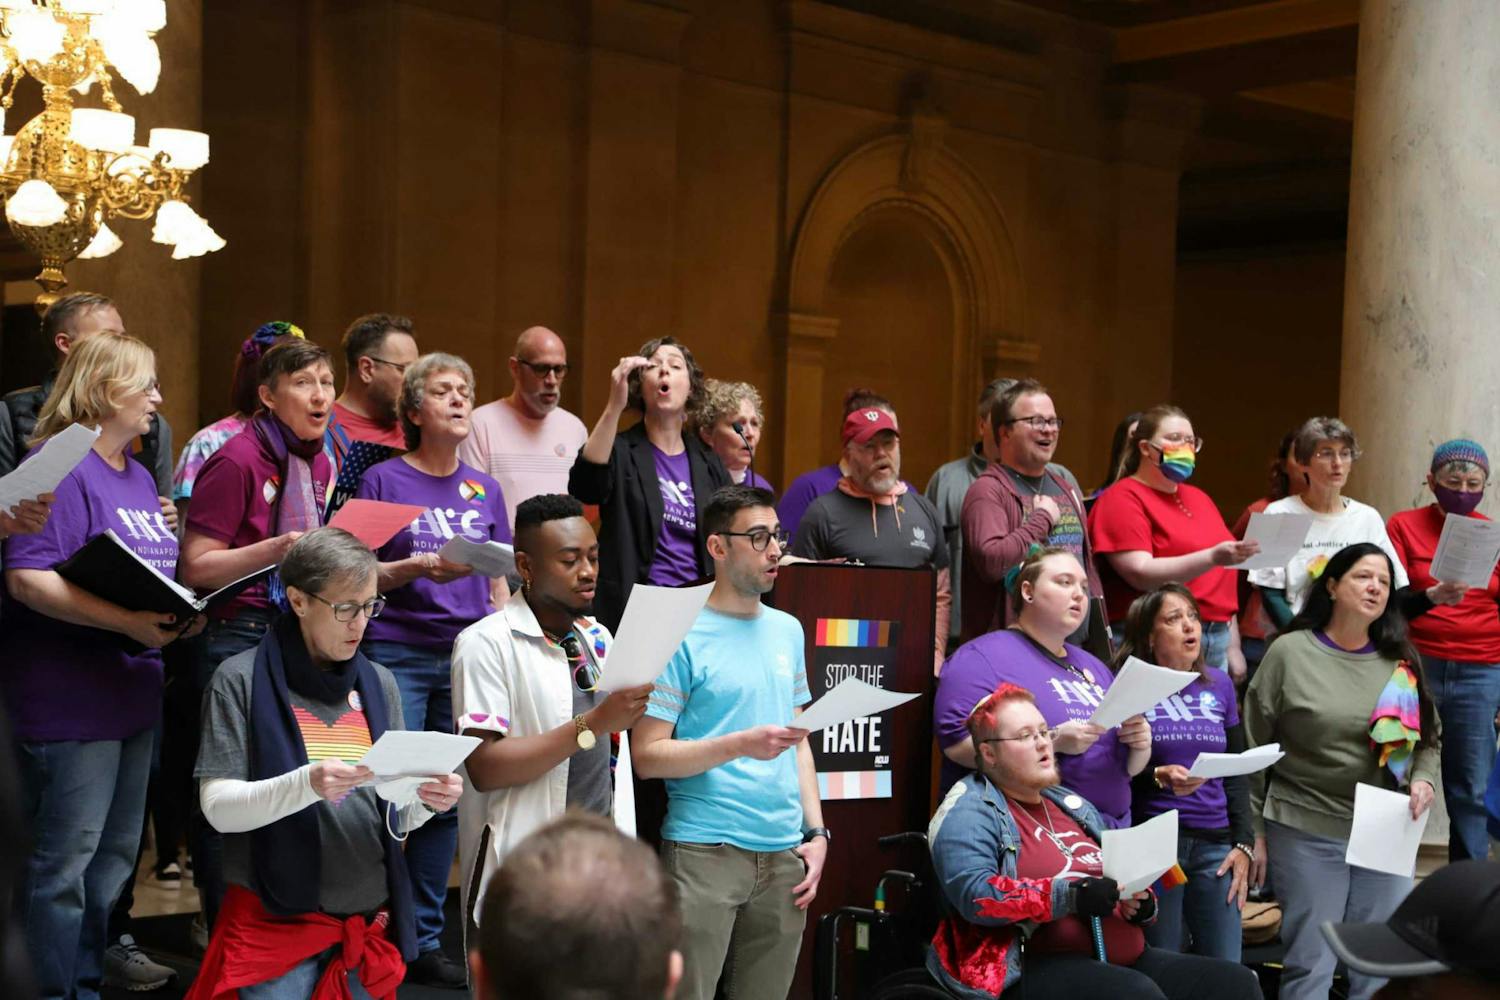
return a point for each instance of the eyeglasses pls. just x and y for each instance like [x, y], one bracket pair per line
[1032, 735]
[1345, 455]
[542, 370]
[1039, 423]
[400, 367]
[760, 538]
[347, 611]
[1179, 440]
[585, 674]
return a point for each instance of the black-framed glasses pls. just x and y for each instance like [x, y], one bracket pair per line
[1032, 735]
[585, 674]
[541, 369]
[347, 611]
[1039, 423]
[760, 538]
[399, 366]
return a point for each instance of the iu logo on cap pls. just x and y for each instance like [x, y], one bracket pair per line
[872, 415]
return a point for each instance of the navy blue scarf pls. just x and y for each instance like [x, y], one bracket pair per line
[286, 856]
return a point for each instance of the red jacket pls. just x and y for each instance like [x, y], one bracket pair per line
[252, 945]
[998, 530]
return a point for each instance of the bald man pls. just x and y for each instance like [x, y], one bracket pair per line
[526, 441]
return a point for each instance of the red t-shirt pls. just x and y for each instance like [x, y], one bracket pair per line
[1132, 517]
[361, 428]
[1470, 629]
[1063, 850]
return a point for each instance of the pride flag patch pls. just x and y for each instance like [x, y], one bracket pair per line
[472, 490]
[853, 632]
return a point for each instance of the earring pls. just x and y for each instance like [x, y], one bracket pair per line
[525, 585]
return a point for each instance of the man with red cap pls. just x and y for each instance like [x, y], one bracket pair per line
[873, 518]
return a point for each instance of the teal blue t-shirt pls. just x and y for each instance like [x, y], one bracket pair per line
[731, 674]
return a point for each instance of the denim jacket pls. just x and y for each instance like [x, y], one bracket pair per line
[976, 953]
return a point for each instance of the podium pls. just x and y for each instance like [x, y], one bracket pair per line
[880, 621]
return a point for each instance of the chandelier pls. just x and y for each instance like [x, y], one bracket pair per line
[68, 171]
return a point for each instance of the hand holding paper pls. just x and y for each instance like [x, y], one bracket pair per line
[1279, 535]
[1139, 687]
[492, 559]
[655, 620]
[1384, 837]
[850, 699]
[1467, 551]
[403, 753]
[1229, 765]
[1137, 856]
[42, 472]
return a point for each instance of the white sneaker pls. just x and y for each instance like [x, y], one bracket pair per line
[169, 877]
[126, 967]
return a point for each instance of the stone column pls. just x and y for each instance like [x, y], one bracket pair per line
[1422, 288]
[1421, 362]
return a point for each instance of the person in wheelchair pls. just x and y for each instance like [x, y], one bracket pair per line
[1018, 860]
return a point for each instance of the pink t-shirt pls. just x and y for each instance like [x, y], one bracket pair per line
[526, 457]
[232, 503]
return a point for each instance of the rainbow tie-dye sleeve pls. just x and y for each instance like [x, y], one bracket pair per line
[1396, 723]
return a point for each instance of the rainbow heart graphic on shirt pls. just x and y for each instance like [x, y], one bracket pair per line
[1316, 567]
[471, 490]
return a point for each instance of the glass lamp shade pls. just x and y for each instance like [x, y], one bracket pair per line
[199, 240]
[129, 50]
[36, 203]
[89, 8]
[147, 15]
[175, 221]
[104, 243]
[108, 131]
[186, 149]
[34, 34]
[6, 142]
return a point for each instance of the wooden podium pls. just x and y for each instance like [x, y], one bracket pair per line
[858, 607]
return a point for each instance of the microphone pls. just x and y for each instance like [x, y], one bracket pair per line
[739, 429]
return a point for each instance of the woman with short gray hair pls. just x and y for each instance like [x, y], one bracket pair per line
[1326, 450]
[310, 846]
[431, 599]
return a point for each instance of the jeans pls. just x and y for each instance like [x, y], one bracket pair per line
[221, 640]
[1315, 885]
[1216, 644]
[85, 801]
[1157, 974]
[424, 677]
[1198, 917]
[1467, 696]
[738, 919]
[299, 981]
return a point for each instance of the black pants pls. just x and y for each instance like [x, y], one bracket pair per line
[1156, 975]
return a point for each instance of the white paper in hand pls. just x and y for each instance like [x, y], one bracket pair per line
[851, 698]
[404, 753]
[1467, 551]
[44, 470]
[1229, 765]
[491, 559]
[1384, 837]
[1280, 536]
[1139, 855]
[1140, 686]
[655, 620]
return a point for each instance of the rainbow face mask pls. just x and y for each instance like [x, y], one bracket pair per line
[1177, 462]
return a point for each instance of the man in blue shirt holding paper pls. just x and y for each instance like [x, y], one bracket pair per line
[744, 837]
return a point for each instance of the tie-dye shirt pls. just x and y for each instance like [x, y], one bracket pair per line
[198, 449]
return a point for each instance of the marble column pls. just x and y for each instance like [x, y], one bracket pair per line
[1421, 359]
[1421, 363]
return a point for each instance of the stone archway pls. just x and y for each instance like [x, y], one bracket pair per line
[910, 173]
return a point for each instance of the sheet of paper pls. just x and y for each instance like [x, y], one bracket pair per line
[1228, 765]
[1467, 551]
[851, 698]
[1384, 837]
[493, 559]
[624, 790]
[1139, 686]
[1280, 536]
[44, 470]
[404, 753]
[1139, 855]
[375, 522]
[655, 620]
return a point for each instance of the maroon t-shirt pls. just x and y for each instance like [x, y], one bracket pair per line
[1054, 846]
[232, 500]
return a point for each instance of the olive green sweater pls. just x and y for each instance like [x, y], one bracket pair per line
[1316, 702]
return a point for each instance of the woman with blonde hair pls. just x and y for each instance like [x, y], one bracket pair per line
[730, 421]
[82, 704]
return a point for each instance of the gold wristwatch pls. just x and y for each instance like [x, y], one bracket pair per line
[586, 739]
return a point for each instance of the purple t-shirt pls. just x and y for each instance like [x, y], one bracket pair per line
[978, 667]
[1192, 721]
[468, 504]
[799, 496]
[676, 560]
[72, 682]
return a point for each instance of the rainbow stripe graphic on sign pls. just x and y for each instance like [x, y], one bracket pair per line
[853, 632]
[471, 490]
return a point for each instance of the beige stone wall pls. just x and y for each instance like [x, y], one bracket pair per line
[623, 169]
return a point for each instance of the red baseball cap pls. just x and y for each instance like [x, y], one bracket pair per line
[861, 425]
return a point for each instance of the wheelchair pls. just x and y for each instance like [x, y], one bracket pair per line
[885, 960]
